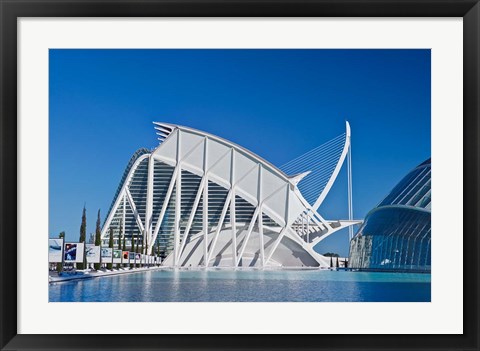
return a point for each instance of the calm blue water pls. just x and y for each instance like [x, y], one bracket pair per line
[258, 286]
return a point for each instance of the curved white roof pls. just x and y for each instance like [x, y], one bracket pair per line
[229, 164]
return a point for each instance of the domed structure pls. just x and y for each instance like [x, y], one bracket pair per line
[396, 235]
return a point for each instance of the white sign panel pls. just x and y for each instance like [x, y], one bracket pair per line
[125, 258]
[55, 250]
[107, 254]
[117, 256]
[73, 252]
[92, 253]
[138, 258]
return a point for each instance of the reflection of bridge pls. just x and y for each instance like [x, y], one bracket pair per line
[204, 201]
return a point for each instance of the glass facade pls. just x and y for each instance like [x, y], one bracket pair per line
[396, 235]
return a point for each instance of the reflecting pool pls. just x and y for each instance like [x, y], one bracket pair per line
[240, 286]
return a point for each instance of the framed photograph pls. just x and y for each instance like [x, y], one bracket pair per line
[117, 256]
[303, 175]
[55, 250]
[92, 253]
[125, 257]
[107, 254]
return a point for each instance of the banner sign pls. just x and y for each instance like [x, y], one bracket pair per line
[107, 255]
[92, 253]
[125, 258]
[73, 252]
[55, 250]
[117, 256]
[138, 257]
[131, 257]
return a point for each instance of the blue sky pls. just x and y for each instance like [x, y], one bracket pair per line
[276, 103]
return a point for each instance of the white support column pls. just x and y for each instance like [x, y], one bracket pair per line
[135, 212]
[260, 218]
[247, 236]
[233, 218]
[192, 216]
[282, 232]
[149, 204]
[350, 188]
[178, 205]
[205, 204]
[165, 204]
[308, 226]
[219, 225]
[276, 243]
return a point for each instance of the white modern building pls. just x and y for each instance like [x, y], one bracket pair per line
[202, 201]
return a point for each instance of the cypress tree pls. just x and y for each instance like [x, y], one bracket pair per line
[110, 244]
[59, 264]
[142, 252]
[120, 236]
[136, 251]
[331, 262]
[124, 245]
[120, 241]
[83, 234]
[337, 265]
[98, 240]
[132, 249]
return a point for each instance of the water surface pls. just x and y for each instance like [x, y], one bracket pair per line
[239, 286]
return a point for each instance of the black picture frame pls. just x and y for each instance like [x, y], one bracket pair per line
[11, 10]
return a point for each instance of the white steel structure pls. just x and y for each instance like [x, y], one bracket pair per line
[207, 202]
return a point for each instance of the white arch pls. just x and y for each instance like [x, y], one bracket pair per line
[334, 175]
